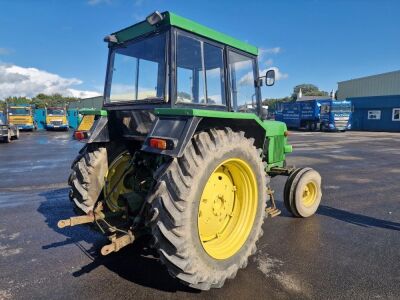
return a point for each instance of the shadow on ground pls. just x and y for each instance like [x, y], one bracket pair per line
[357, 219]
[136, 263]
[348, 217]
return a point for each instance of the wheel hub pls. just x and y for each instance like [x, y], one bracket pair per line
[227, 208]
[309, 194]
[115, 181]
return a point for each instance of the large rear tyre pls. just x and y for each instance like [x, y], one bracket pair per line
[208, 208]
[89, 171]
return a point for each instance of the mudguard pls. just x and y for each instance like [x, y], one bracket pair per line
[99, 131]
[176, 130]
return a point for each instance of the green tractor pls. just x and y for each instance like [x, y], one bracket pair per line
[181, 151]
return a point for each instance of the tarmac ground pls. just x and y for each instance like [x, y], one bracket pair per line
[349, 250]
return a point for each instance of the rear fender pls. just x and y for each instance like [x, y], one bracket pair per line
[99, 131]
[178, 131]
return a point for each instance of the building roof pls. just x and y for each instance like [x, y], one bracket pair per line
[372, 76]
[171, 19]
[384, 84]
[309, 98]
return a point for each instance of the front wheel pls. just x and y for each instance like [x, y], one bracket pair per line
[209, 207]
[7, 138]
[302, 193]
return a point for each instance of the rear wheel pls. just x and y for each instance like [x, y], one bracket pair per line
[209, 207]
[90, 170]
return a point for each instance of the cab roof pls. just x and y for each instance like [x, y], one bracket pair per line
[171, 19]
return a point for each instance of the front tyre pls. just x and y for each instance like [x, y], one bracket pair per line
[209, 207]
[302, 193]
[17, 134]
[7, 138]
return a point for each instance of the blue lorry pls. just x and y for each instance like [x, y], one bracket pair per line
[324, 115]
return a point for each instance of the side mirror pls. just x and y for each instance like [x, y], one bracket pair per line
[270, 78]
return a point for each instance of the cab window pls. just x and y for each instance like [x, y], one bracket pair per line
[200, 72]
[242, 78]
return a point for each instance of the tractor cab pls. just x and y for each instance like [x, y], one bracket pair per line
[170, 62]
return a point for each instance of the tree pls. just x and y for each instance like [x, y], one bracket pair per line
[39, 101]
[274, 103]
[307, 89]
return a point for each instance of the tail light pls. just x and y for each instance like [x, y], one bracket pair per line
[80, 135]
[158, 143]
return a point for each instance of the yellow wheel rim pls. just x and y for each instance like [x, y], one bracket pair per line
[114, 186]
[309, 194]
[227, 208]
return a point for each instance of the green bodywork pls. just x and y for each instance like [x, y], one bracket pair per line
[93, 111]
[274, 131]
[171, 19]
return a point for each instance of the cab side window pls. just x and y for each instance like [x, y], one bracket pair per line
[200, 72]
[242, 77]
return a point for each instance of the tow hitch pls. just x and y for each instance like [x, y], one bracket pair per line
[117, 243]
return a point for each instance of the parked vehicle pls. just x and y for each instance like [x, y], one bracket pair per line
[8, 131]
[22, 116]
[324, 115]
[177, 152]
[56, 118]
[86, 119]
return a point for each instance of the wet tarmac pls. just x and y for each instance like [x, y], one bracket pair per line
[349, 250]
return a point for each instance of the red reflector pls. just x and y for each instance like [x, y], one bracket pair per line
[158, 143]
[79, 135]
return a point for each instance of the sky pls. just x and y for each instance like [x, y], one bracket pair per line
[57, 46]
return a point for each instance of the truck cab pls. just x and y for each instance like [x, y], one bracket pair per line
[335, 115]
[56, 118]
[22, 117]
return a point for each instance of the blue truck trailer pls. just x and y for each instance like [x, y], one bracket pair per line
[324, 115]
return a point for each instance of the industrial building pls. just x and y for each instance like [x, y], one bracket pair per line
[93, 102]
[376, 101]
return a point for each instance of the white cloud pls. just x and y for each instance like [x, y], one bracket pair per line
[275, 50]
[82, 94]
[139, 2]
[248, 78]
[139, 17]
[96, 2]
[278, 74]
[28, 82]
[5, 51]
[269, 62]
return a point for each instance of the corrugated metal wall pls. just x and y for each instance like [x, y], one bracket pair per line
[382, 106]
[94, 102]
[376, 85]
